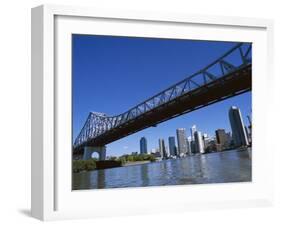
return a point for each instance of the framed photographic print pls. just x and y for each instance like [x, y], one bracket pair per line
[136, 112]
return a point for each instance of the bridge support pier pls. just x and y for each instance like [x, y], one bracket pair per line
[88, 151]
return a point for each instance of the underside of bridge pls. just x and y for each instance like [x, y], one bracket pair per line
[232, 84]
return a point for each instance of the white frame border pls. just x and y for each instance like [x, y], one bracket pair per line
[43, 86]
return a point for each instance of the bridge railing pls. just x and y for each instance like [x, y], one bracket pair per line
[98, 123]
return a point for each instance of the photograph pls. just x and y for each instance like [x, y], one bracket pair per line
[152, 111]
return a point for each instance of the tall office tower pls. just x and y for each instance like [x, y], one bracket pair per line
[143, 145]
[192, 147]
[192, 131]
[237, 125]
[172, 146]
[189, 148]
[199, 146]
[222, 138]
[162, 149]
[182, 144]
[229, 139]
[248, 134]
[206, 140]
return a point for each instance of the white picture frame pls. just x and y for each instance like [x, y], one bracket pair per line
[52, 197]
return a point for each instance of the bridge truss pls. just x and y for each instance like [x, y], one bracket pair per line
[98, 125]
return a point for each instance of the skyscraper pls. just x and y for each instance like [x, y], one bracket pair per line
[237, 126]
[143, 145]
[222, 138]
[192, 131]
[172, 146]
[189, 145]
[229, 138]
[206, 140]
[162, 149]
[199, 145]
[182, 144]
[247, 133]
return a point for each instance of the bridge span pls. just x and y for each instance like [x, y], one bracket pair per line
[227, 76]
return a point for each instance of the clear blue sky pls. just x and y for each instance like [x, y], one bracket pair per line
[113, 74]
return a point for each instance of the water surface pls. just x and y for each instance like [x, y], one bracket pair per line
[220, 167]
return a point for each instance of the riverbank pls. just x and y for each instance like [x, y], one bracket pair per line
[135, 163]
[90, 164]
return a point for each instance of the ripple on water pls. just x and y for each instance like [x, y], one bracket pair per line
[222, 167]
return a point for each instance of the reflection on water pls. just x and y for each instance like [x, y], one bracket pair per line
[229, 166]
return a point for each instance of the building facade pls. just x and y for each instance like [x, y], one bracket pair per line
[199, 145]
[222, 138]
[143, 145]
[162, 149]
[189, 145]
[193, 129]
[172, 146]
[182, 144]
[237, 126]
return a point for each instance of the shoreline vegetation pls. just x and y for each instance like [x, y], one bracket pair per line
[136, 163]
[127, 160]
[124, 160]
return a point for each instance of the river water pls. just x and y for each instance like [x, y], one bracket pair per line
[220, 167]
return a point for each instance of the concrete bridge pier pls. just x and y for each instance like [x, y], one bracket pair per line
[88, 151]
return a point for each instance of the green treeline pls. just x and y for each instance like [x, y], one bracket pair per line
[83, 165]
[88, 165]
[135, 158]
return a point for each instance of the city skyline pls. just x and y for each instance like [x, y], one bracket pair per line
[183, 146]
[152, 142]
[91, 52]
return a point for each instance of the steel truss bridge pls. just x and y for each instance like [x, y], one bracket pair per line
[227, 76]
